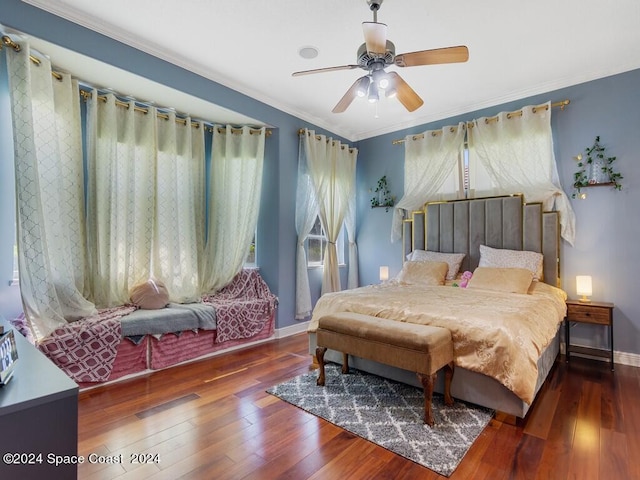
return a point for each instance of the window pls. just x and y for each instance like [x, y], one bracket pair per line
[317, 244]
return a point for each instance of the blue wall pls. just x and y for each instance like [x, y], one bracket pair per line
[607, 221]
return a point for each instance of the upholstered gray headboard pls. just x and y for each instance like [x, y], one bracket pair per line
[461, 226]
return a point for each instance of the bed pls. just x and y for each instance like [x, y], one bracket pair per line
[505, 343]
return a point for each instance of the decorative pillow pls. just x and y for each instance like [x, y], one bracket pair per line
[150, 295]
[501, 257]
[511, 280]
[423, 273]
[453, 260]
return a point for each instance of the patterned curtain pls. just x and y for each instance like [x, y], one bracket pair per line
[49, 193]
[145, 197]
[235, 184]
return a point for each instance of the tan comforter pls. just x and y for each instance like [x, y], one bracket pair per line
[498, 334]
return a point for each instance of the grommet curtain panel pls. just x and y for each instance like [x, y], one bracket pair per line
[328, 174]
[145, 194]
[514, 153]
[237, 162]
[429, 160]
[49, 193]
[306, 213]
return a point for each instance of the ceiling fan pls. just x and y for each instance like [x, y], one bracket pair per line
[375, 55]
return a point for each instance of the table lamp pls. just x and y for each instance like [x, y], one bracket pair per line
[384, 273]
[584, 287]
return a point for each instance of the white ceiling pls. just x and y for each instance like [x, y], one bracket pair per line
[516, 49]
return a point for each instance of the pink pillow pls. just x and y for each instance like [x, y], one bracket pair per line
[150, 295]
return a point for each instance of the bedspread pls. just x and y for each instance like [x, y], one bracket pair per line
[497, 334]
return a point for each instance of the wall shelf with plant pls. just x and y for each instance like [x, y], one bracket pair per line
[383, 197]
[595, 170]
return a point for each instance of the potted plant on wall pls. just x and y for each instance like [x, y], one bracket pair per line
[383, 197]
[596, 169]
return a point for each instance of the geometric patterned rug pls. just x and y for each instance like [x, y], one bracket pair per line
[389, 414]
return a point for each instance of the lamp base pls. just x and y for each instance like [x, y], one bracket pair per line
[584, 299]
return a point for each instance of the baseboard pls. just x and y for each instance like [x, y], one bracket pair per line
[621, 358]
[624, 358]
[299, 327]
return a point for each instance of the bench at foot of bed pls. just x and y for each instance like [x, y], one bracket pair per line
[419, 348]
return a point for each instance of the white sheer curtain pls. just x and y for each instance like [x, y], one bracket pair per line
[306, 213]
[121, 192]
[514, 153]
[180, 189]
[350, 226]
[145, 197]
[235, 183]
[332, 168]
[49, 183]
[430, 159]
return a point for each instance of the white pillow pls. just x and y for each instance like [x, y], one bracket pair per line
[452, 259]
[502, 257]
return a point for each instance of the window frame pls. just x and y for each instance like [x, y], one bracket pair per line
[340, 243]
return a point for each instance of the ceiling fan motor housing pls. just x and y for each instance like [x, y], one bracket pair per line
[366, 59]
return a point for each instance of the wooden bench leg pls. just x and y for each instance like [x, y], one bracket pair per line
[448, 376]
[427, 385]
[320, 355]
[345, 363]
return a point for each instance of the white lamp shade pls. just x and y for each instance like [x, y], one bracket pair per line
[584, 286]
[384, 273]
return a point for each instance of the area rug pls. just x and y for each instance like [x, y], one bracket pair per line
[389, 414]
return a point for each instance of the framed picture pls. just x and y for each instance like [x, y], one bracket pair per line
[8, 356]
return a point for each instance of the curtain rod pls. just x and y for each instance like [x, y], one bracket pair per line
[517, 113]
[87, 95]
[6, 40]
[319, 137]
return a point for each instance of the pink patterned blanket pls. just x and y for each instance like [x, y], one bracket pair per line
[243, 307]
[85, 350]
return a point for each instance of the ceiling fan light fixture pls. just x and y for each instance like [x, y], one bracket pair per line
[362, 87]
[374, 95]
[391, 92]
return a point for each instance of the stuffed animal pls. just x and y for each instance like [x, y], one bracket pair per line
[464, 280]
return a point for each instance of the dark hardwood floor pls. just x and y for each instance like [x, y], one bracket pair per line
[213, 420]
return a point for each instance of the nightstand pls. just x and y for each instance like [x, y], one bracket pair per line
[597, 313]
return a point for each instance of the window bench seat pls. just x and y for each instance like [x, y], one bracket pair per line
[123, 341]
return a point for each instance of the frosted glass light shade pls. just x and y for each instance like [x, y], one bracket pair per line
[584, 287]
[384, 273]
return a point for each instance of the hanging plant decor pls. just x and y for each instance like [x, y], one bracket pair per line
[383, 197]
[596, 169]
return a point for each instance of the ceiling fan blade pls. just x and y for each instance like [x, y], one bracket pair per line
[352, 93]
[375, 36]
[326, 69]
[406, 95]
[433, 57]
